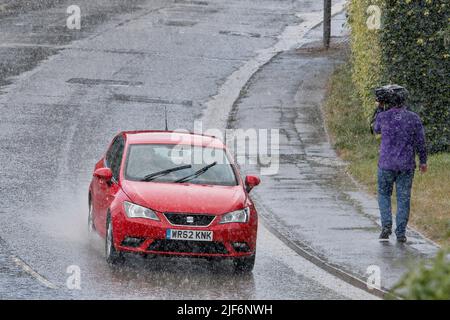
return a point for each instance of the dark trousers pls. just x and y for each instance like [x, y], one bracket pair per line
[403, 183]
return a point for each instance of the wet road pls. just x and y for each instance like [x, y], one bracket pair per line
[57, 118]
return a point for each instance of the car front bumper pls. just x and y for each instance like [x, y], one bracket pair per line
[146, 236]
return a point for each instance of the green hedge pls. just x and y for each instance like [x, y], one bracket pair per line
[411, 49]
[366, 53]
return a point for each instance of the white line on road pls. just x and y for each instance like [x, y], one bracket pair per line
[31, 45]
[25, 267]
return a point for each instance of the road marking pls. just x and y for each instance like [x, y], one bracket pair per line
[151, 100]
[31, 45]
[156, 54]
[25, 267]
[106, 82]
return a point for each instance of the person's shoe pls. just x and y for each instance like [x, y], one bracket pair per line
[385, 233]
[401, 239]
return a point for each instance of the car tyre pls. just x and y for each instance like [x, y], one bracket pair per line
[113, 257]
[91, 226]
[245, 264]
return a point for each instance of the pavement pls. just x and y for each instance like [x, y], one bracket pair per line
[312, 203]
[66, 93]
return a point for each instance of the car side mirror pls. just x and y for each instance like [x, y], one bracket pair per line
[251, 182]
[104, 174]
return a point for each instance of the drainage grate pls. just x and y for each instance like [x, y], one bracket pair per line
[97, 82]
[144, 99]
[240, 34]
[180, 23]
[193, 2]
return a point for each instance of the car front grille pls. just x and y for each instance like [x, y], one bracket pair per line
[178, 246]
[186, 219]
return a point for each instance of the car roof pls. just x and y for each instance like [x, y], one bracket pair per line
[172, 137]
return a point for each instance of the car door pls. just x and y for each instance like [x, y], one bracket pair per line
[97, 184]
[105, 191]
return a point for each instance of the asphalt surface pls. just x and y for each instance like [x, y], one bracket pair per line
[66, 93]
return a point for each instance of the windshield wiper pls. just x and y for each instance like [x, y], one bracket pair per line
[196, 173]
[155, 175]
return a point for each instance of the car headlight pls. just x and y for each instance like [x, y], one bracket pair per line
[240, 216]
[135, 211]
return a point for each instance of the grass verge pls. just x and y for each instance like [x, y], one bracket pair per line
[348, 128]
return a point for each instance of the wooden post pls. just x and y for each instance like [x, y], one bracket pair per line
[326, 23]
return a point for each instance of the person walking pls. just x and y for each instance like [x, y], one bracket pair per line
[402, 138]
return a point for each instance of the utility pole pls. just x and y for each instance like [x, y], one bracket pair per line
[326, 23]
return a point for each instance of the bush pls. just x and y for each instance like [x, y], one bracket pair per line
[415, 55]
[411, 49]
[427, 282]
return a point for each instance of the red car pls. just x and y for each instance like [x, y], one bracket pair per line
[172, 193]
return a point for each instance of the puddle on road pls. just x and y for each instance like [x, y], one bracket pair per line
[374, 229]
[15, 60]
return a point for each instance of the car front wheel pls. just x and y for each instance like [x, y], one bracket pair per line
[91, 226]
[112, 255]
[245, 264]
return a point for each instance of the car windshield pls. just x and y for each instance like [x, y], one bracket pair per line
[179, 163]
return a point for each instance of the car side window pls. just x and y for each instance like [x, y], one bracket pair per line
[111, 152]
[116, 157]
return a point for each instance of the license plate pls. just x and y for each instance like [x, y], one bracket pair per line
[193, 235]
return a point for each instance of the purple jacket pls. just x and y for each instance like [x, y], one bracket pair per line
[402, 135]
